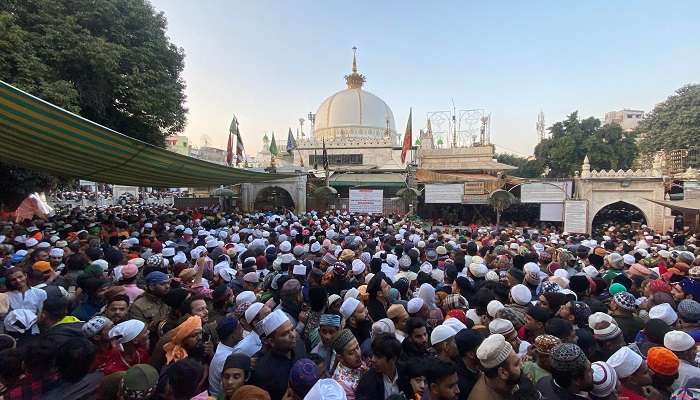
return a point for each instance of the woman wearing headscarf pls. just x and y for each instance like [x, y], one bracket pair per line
[426, 292]
[131, 338]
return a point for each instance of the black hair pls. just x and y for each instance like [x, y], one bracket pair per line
[439, 370]
[566, 378]
[183, 377]
[186, 307]
[387, 346]
[75, 360]
[10, 366]
[56, 308]
[481, 300]
[318, 298]
[558, 327]
[414, 323]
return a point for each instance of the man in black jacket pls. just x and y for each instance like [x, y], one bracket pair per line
[468, 364]
[381, 381]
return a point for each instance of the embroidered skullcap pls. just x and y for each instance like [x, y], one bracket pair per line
[581, 311]
[590, 271]
[341, 339]
[332, 299]
[330, 320]
[251, 277]
[604, 379]
[493, 307]
[252, 311]
[521, 294]
[545, 343]
[303, 376]
[478, 270]
[664, 312]
[326, 389]
[625, 362]
[349, 306]
[441, 333]
[567, 357]
[273, 321]
[694, 273]
[502, 326]
[625, 300]
[351, 294]
[384, 325]
[492, 276]
[414, 305]
[396, 310]
[616, 288]
[689, 310]
[549, 287]
[662, 361]
[245, 297]
[329, 258]
[512, 315]
[94, 325]
[140, 381]
[457, 301]
[493, 351]
[678, 341]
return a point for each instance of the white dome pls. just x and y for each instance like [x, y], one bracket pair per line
[354, 113]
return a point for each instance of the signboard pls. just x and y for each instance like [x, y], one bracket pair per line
[541, 192]
[474, 187]
[576, 216]
[119, 191]
[691, 190]
[552, 212]
[444, 194]
[366, 201]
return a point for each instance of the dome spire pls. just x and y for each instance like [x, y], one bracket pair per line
[354, 80]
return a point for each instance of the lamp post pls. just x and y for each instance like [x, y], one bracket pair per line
[312, 118]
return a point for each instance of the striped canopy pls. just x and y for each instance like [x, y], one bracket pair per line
[43, 137]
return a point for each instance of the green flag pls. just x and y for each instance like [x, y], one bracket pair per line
[273, 145]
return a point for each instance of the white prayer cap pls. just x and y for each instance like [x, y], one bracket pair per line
[664, 312]
[531, 267]
[299, 269]
[628, 259]
[625, 361]
[273, 321]
[492, 276]
[493, 307]
[212, 243]
[479, 270]
[493, 351]
[43, 245]
[521, 294]
[604, 379]
[358, 267]
[349, 306]
[102, 264]
[20, 320]
[597, 318]
[326, 389]
[285, 247]
[227, 274]
[126, 331]
[251, 277]
[252, 311]
[351, 294]
[414, 305]
[180, 257]
[31, 242]
[502, 326]
[455, 324]
[426, 267]
[441, 333]
[245, 297]
[561, 272]
[56, 252]
[332, 299]
[590, 271]
[678, 341]
[168, 251]
[315, 247]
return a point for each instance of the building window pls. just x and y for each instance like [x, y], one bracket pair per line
[337, 159]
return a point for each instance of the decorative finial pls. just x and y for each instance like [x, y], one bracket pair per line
[354, 61]
[354, 80]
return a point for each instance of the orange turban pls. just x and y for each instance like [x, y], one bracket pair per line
[41, 266]
[173, 349]
[662, 361]
[250, 392]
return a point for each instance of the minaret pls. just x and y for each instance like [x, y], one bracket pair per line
[354, 80]
[586, 168]
[540, 127]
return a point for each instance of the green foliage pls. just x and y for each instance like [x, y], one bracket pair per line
[674, 123]
[607, 146]
[526, 168]
[108, 60]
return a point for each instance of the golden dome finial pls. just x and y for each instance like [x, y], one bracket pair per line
[354, 80]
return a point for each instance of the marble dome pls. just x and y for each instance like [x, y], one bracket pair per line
[354, 113]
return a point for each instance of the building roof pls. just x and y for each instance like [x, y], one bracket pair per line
[386, 180]
[43, 137]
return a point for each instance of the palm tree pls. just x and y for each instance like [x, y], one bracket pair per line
[500, 200]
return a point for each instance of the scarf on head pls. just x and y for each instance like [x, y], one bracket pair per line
[173, 349]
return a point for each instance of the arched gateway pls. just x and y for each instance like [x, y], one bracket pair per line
[625, 191]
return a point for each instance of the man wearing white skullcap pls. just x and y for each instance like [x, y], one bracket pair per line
[326, 389]
[245, 297]
[416, 308]
[502, 369]
[272, 368]
[521, 297]
[252, 317]
[632, 371]
[664, 312]
[131, 337]
[683, 346]
[443, 341]
[493, 307]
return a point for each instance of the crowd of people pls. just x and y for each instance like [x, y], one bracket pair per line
[148, 302]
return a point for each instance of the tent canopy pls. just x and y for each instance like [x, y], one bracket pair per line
[41, 136]
[691, 206]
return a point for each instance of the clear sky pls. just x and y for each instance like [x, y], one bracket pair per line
[272, 62]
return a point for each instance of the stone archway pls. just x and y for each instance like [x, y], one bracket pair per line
[273, 198]
[618, 212]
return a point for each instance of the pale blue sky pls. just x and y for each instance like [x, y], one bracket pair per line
[271, 62]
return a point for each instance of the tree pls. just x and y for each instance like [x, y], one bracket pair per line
[108, 60]
[674, 123]
[526, 168]
[607, 146]
[500, 200]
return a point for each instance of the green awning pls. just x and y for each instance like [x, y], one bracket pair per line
[377, 180]
[43, 137]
